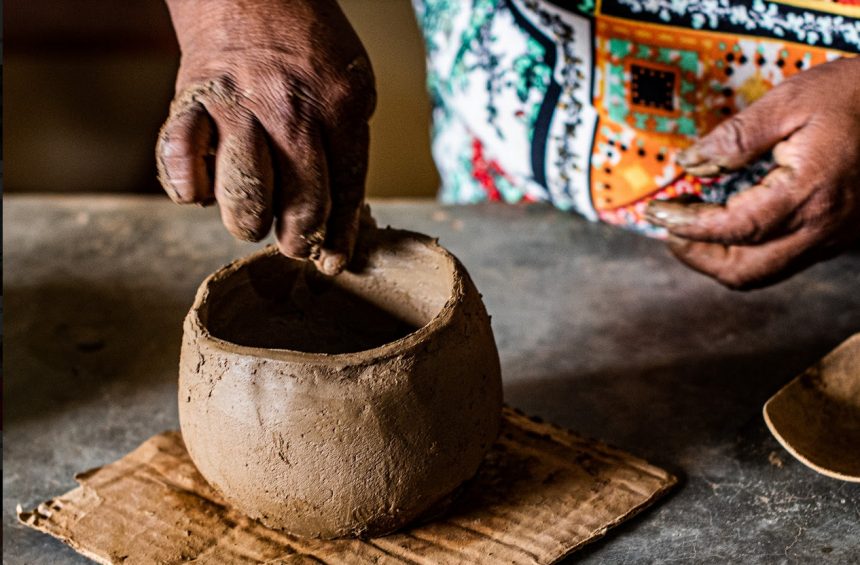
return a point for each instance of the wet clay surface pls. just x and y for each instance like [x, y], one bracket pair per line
[301, 310]
[327, 446]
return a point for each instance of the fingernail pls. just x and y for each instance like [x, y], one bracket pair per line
[332, 264]
[697, 164]
[689, 157]
[705, 170]
[669, 214]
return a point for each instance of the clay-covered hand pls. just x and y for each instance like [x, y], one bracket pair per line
[270, 120]
[805, 210]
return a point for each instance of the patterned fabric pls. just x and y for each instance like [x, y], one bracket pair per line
[586, 104]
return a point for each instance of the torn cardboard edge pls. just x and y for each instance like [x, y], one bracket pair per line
[542, 493]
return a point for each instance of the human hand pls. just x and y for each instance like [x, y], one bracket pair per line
[805, 210]
[270, 120]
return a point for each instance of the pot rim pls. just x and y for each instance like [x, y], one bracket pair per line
[399, 346]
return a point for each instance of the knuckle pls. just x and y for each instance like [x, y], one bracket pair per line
[292, 101]
[305, 95]
[221, 83]
[790, 157]
[792, 88]
[345, 99]
[729, 226]
[734, 279]
[732, 134]
[308, 220]
[748, 229]
[731, 273]
[791, 92]
[355, 93]
[220, 88]
[233, 121]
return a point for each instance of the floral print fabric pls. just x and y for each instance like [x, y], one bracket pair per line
[585, 104]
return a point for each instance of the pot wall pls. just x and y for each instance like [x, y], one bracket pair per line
[331, 448]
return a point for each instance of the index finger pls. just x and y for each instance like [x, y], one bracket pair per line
[751, 216]
[348, 159]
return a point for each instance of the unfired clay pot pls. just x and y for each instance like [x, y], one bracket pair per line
[336, 406]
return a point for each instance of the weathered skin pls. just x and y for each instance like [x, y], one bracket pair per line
[339, 444]
[807, 209]
[272, 100]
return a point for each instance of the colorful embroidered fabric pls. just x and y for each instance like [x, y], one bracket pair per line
[586, 105]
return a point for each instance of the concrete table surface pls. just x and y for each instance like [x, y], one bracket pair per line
[599, 330]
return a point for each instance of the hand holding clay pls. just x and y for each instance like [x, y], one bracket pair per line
[270, 120]
[805, 210]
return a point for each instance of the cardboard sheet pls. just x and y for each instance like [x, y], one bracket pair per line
[542, 493]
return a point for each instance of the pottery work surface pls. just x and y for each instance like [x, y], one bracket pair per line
[540, 494]
[816, 417]
[340, 406]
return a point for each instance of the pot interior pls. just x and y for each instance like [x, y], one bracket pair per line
[274, 302]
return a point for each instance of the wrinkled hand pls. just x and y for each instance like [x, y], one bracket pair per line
[270, 120]
[805, 210]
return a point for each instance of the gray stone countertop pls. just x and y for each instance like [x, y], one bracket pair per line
[599, 330]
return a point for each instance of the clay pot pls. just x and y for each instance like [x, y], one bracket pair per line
[338, 406]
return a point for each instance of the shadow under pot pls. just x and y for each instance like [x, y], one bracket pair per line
[340, 406]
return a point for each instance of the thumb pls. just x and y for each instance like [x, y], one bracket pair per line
[743, 138]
